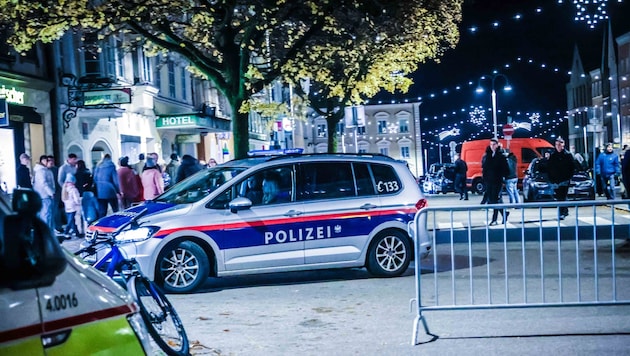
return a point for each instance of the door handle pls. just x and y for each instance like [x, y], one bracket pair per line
[368, 206]
[293, 213]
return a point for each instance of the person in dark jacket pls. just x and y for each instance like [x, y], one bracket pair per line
[607, 169]
[189, 166]
[560, 169]
[84, 177]
[24, 173]
[107, 186]
[494, 169]
[511, 181]
[460, 177]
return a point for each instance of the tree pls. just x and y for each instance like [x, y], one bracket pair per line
[239, 45]
[374, 55]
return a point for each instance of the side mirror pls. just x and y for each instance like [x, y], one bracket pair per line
[31, 256]
[240, 203]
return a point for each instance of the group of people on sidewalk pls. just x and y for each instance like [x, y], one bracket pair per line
[499, 168]
[87, 196]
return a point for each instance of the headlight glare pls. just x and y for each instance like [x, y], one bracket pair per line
[139, 234]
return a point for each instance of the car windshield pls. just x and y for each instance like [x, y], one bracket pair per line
[199, 186]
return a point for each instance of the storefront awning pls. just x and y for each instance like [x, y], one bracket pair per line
[22, 113]
[192, 121]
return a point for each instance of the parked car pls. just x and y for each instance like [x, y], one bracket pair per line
[536, 185]
[276, 214]
[440, 179]
[51, 302]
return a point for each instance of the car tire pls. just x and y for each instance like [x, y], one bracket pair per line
[182, 267]
[389, 254]
[478, 186]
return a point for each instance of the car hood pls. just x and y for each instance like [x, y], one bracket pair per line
[164, 210]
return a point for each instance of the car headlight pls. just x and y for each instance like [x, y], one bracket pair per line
[139, 234]
[541, 185]
[584, 184]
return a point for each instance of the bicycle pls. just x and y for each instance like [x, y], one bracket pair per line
[161, 319]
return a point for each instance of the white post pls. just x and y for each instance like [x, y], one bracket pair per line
[494, 111]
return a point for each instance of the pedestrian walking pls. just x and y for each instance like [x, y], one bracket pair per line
[152, 182]
[460, 177]
[560, 169]
[608, 168]
[139, 166]
[24, 179]
[69, 166]
[44, 185]
[107, 186]
[171, 168]
[72, 204]
[212, 162]
[494, 169]
[129, 187]
[511, 180]
[89, 208]
[187, 168]
[84, 177]
[57, 208]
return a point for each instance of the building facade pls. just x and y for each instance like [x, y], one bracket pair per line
[27, 115]
[114, 99]
[389, 129]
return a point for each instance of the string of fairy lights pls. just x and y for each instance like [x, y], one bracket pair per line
[473, 119]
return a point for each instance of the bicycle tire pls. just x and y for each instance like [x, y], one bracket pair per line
[161, 319]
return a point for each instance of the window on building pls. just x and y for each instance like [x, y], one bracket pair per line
[321, 130]
[404, 152]
[91, 55]
[382, 126]
[147, 68]
[171, 79]
[361, 130]
[384, 151]
[184, 86]
[158, 78]
[403, 125]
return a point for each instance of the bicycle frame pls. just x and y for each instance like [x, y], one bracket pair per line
[114, 256]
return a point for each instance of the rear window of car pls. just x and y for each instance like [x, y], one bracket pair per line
[385, 179]
[330, 180]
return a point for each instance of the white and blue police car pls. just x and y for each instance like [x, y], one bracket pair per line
[275, 214]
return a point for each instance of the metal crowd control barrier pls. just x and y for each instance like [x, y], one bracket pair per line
[534, 260]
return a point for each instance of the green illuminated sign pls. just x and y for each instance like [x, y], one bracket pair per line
[12, 95]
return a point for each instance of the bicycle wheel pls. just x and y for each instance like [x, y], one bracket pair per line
[162, 321]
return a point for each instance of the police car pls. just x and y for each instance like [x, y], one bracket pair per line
[53, 304]
[275, 214]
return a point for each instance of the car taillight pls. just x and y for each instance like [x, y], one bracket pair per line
[422, 203]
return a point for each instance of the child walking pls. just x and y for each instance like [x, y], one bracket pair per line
[72, 203]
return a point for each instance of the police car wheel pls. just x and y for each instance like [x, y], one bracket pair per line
[182, 267]
[389, 254]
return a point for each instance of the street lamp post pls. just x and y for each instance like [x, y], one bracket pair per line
[479, 90]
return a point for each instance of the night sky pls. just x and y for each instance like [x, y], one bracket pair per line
[543, 38]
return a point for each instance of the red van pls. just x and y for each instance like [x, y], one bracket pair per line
[525, 150]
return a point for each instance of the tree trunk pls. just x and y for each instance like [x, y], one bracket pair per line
[332, 119]
[240, 129]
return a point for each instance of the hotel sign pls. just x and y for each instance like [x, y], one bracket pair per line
[107, 97]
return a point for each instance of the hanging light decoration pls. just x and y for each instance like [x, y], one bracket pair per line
[590, 11]
[477, 116]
